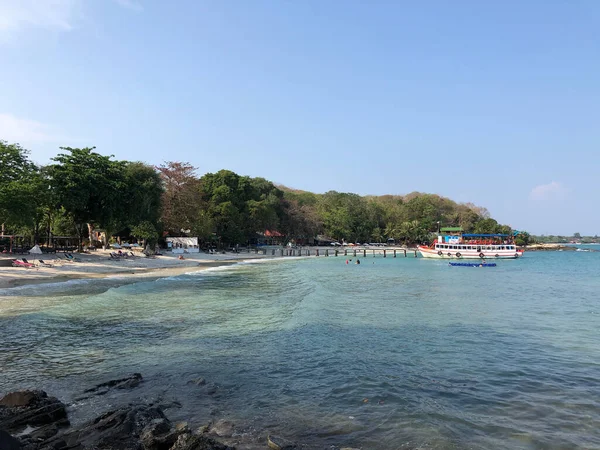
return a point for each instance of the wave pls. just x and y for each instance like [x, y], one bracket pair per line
[44, 288]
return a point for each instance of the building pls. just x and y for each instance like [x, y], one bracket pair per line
[183, 244]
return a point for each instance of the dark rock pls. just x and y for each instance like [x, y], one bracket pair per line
[7, 442]
[44, 433]
[34, 408]
[182, 427]
[198, 381]
[212, 389]
[196, 442]
[158, 435]
[279, 443]
[120, 429]
[222, 428]
[121, 383]
[21, 398]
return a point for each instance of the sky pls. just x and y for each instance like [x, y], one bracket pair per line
[495, 103]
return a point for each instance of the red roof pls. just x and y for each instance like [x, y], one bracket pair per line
[269, 233]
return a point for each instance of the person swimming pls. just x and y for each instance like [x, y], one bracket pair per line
[358, 261]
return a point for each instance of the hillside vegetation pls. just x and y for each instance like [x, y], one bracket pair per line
[82, 190]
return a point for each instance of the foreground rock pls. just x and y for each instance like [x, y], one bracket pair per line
[129, 382]
[31, 420]
[139, 427]
[279, 443]
[22, 409]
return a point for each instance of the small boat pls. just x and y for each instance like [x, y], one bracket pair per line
[483, 264]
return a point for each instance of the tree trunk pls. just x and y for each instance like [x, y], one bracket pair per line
[79, 229]
[90, 230]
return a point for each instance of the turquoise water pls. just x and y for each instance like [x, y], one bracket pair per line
[388, 354]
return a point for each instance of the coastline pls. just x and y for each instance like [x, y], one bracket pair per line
[548, 247]
[99, 265]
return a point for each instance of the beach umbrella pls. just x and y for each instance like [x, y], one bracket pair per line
[115, 245]
[136, 245]
[126, 245]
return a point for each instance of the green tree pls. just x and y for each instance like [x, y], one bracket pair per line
[146, 232]
[181, 198]
[486, 226]
[90, 188]
[239, 207]
[523, 238]
[142, 193]
[16, 171]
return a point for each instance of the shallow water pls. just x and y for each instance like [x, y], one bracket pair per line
[389, 354]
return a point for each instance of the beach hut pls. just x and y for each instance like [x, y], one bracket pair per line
[180, 245]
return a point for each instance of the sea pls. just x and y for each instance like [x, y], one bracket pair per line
[391, 353]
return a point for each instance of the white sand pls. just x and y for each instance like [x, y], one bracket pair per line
[99, 264]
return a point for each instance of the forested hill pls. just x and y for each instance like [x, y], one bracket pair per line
[407, 218]
[82, 190]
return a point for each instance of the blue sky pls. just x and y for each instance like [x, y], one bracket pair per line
[495, 103]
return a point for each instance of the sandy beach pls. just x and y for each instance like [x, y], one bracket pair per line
[100, 265]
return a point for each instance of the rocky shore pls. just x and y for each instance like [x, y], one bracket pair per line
[549, 247]
[33, 420]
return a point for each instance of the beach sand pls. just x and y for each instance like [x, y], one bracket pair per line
[100, 265]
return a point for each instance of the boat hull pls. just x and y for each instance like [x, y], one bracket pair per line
[427, 252]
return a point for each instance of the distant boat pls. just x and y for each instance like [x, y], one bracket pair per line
[472, 246]
[481, 264]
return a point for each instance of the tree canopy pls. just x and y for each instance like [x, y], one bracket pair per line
[82, 190]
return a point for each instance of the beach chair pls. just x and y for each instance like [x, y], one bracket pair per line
[17, 263]
[70, 257]
[44, 263]
[27, 262]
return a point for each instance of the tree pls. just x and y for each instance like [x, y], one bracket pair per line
[240, 206]
[90, 188]
[486, 226]
[145, 231]
[181, 200]
[15, 172]
[142, 195]
[523, 238]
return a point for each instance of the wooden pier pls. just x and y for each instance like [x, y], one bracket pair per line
[319, 251]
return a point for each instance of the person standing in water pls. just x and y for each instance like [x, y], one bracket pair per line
[358, 261]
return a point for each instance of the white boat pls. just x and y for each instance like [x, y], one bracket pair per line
[472, 246]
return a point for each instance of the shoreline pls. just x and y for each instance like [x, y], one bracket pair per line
[100, 266]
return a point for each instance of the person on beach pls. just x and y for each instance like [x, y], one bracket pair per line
[358, 261]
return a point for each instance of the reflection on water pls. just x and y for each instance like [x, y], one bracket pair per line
[389, 355]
